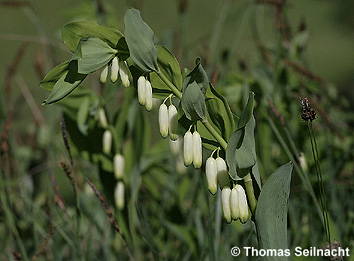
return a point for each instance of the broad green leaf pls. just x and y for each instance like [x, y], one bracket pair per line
[241, 151]
[73, 32]
[193, 103]
[271, 211]
[199, 76]
[94, 54]
[247, 112]
[140, 40]
[168, 66]
[54, 75]
[220, 112]
[66, 84]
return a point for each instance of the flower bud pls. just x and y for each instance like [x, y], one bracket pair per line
[302, 162]
[173, 122]
[181, 169]
[119, 195]
[211, 174]
[148, 96]
[104, 74]
[102, 118]
[225, 201]
[242, 203]
[118, 163]
[223, 176]
[234, 204]
[163, 120]
[114, 69]
[175, 146]
[141, 90]
[197, 150]
[107, 141]
[124, 73]
[188, 148]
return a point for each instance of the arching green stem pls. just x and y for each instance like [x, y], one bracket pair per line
[250, 193]
[207, 125]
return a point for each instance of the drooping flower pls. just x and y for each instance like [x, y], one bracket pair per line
[104, 74]
[114, 69]
[124, 73]
[148, 96]
[107, 141]
[163, 120]
[118, 163]
[197, 150]
[223, 176]
[119, 195]
[141, 90]
[211, 174]
[225, 202]
[173, 122]
[102, 118]
[188, 148]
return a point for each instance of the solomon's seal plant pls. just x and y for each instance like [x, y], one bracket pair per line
[191, 108]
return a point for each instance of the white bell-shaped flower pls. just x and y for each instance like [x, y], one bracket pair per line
[163, 120]
[141, 90]
[225, 202]
[148, 96]
[102, 118]
[173, 122]
[124, 73]
[176, 146]
[223, 176]
[188, 148]
[114, 69]
[104, 74]
[118, 163]
[235, 208]
[107, 142]
[197, 150]
[119, 195]
[242, 203]
[211, 174]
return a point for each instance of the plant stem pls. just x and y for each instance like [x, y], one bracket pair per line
[320, 181]
[298, 169]
[250, 193]
[170, 85]
[207, 125]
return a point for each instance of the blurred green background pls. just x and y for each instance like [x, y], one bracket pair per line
[216, 31]
[330, 51]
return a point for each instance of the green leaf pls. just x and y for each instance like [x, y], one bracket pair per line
[168, 66]
[271, 211]
[66, 84]
[94, 54]
[199, 76]
[247, 112]
[54, 75]
[220, 112]
[193, 103]
[140, 40]
[73, 32]
[241, 151]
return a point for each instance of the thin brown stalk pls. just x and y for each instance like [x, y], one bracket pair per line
[65, 135]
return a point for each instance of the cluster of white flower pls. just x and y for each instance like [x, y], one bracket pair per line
[234, 204]
[117, 67]
[145, 93]
[118, 160]
[234, 201]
